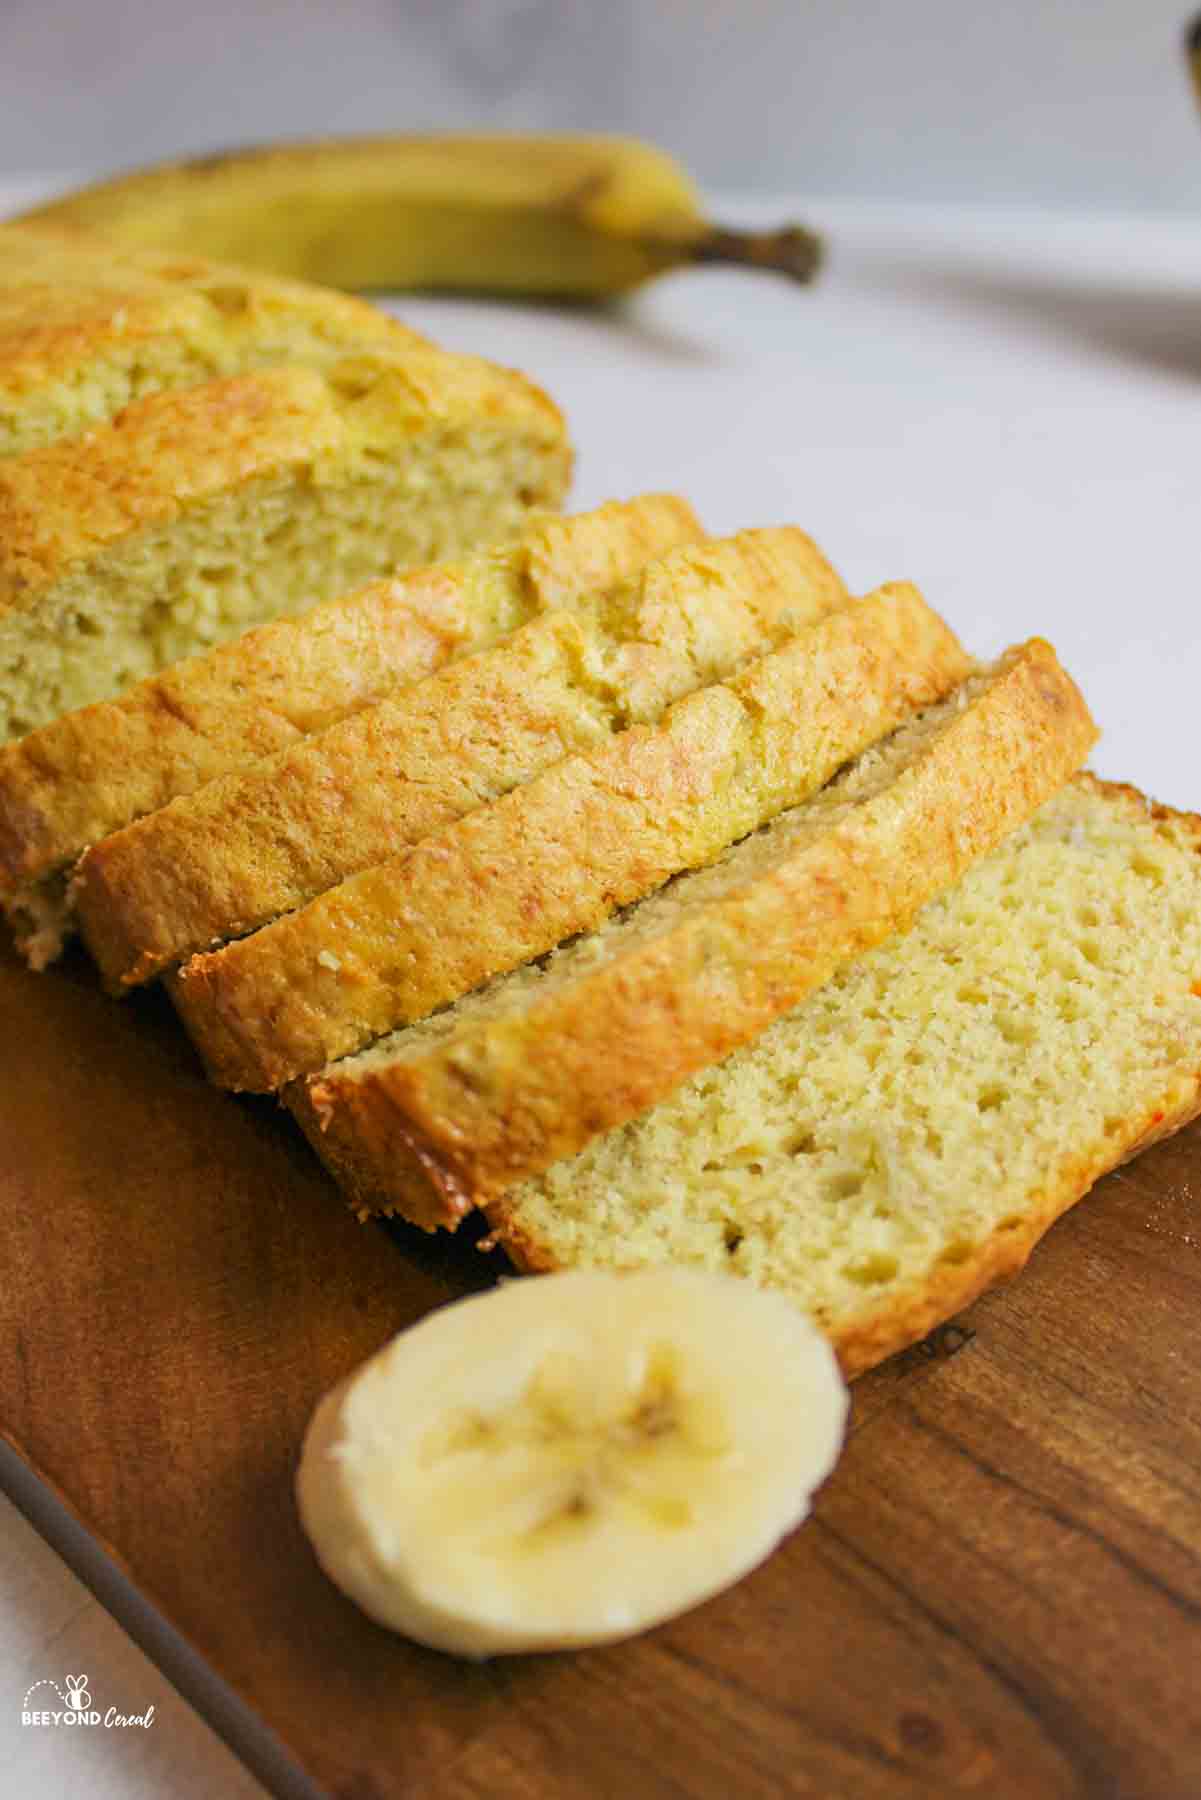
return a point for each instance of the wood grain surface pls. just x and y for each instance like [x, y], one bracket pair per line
[999, 1593]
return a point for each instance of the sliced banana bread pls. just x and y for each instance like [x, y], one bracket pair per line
[86, 327]
[251, 847]
[94, 770]
[453, 1111]
[200, 512]
[555, 858]
[903, 1139]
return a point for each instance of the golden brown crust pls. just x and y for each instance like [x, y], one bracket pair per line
[562, 560]
[596, 832]
[485, 1108]
[75, 310]
[252, 847]
[346, 967]
[352, 1159]
[95, 770]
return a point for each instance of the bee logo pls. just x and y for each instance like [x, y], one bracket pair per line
[77, 1696]
[76, 1701]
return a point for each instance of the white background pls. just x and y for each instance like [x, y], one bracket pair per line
[1066, 103]
[1003, 405]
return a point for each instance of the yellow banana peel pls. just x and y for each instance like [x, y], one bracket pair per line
[569, 216]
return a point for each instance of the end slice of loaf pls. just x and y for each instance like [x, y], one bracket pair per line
[250, 848]
[200, 512]
[363, 956]
[86, 327]
[453, 1111]
[904, 1138]
[93, 771]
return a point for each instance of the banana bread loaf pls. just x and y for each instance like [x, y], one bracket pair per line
[596, 832]
[251, 847]
[453, 1111]
[903, 1139]
[200, 512]
[86, 327]
[274, 1004]
[94, 770]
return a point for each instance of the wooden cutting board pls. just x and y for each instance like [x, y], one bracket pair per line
[1000, 1592]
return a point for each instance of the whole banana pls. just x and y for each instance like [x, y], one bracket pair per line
[569, 216]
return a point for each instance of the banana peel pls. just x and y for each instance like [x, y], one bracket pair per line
[547, 215]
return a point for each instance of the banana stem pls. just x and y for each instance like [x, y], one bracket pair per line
[792, 250]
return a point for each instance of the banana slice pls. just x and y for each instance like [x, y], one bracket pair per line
[569, 1459]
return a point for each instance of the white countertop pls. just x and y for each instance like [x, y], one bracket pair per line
[1003, 408]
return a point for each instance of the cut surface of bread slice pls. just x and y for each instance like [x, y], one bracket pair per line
[89, 773]
[903, 1139]
[87, 327]
[453, 1111]
[245, 850]
[203, 511]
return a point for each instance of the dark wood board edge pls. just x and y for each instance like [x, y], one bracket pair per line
[101, 1569]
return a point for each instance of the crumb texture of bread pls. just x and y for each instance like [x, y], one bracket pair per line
[198, 513]
[346, 967]
[250, 848]
[86, 775]
[528, 1069]
[903, 1139]
[87, 328]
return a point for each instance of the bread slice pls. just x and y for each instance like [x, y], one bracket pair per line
[200, 512]
[360, 958]
[903, 1139]
[453, 1111]
[92, 771]
[247, 849]
[87, 327]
